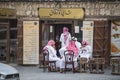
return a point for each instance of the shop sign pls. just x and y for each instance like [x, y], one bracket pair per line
[76, 29]
[115, 38]
[5, 12]
[68, 13]
[30, 42]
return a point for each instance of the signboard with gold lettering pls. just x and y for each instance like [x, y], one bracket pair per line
[68, 13]
[31, 42]
[6, 12]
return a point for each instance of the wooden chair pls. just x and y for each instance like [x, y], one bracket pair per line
[97, 65]
[51, 65]
[69, 54]
[115, 62]
[82, 63]
[41, 60]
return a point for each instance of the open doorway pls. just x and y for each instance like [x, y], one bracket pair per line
[58, 29]
[53, 31]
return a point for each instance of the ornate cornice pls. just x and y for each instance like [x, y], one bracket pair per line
[30, 9]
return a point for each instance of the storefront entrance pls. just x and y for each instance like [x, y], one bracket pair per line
[53, 31]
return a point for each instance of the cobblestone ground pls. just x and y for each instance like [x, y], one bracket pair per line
[36, 73]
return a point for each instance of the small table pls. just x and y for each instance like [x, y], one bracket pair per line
[115, 62]
[82, 63]
[97, 65]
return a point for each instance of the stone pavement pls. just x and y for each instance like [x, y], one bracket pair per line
[36, 73]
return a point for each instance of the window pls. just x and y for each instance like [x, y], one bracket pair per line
[13, 34]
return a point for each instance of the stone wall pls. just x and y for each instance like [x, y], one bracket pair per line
[91, 9]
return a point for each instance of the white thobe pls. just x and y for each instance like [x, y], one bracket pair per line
[78, 45]
[52, 55]
[62, 50]
[86, 52]
[63, 43]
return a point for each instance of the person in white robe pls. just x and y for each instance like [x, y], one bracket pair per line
[52, 52]
[77, 43]
[65, 37]
[86, 50]
[71, 46]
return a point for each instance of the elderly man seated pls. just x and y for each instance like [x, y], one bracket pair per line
[86, 50]
[77, 45]
[52, 52]
[73, 47]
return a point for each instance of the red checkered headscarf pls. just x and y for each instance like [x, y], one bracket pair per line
[65, 33]
[65, 30]
[84, 42]
[51, 42]
[72, 46]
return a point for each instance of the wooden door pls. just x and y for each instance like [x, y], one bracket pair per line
[5, 41]
[20, 41]
[101, 45]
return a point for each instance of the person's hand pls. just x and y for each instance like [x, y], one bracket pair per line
[81, 47]
[61, 57]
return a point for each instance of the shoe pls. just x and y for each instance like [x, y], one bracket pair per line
[61, 70]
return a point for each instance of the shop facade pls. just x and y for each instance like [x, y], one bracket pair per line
[95, 19]
[8, 33]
